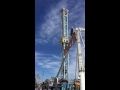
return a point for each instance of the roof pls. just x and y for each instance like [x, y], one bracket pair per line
[62, 80]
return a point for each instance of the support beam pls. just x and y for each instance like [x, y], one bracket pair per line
[81, 71]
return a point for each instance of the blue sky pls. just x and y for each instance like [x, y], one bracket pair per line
[47, 34]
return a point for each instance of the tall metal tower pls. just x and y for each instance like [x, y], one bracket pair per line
[64, 42]
[81, 68]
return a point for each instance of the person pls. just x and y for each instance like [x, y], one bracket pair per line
[43, 88]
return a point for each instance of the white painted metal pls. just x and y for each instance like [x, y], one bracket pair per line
[82, 87]
[82, 40]
[81, 73]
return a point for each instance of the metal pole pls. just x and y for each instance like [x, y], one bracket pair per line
[42, 76]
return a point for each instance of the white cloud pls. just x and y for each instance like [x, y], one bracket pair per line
[39, 63]
[56, 57]
[49, 30]
[72, 58]
[36, 53]
[77, 14]
[40, 41]
[48, 61]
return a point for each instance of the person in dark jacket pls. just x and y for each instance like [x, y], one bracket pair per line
[47, 86]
